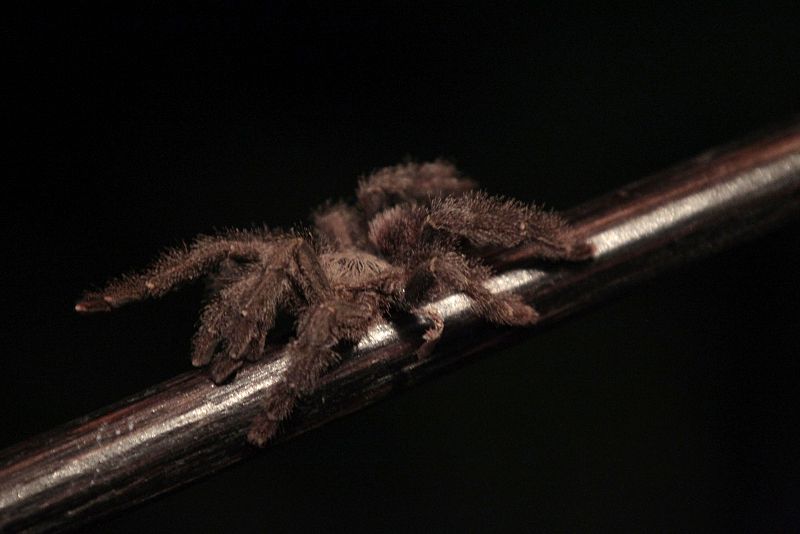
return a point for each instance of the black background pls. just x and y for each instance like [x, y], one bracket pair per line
[133, 128]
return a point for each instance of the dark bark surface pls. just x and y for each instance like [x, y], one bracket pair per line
[188, 428]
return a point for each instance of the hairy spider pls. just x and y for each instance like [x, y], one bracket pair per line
[413, 235]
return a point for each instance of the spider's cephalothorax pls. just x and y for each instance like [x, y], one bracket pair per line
[413, 235]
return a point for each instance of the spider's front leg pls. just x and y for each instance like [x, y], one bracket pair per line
[237, 321]
[226, 317]
[177, 267]
[320, 328]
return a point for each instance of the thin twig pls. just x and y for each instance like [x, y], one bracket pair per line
[187, 427]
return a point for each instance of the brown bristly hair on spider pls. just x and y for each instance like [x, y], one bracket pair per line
[415, 233]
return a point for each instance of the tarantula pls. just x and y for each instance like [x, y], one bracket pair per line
[414, 234]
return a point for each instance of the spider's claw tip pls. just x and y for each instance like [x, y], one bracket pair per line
[262, 430]
[255, 439]
[202, 359]
[92, 305]
[224, 369]
[582, 251]
[260, 437]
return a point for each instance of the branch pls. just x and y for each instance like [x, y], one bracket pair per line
[187, 427]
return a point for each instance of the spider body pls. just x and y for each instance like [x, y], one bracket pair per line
[414, 234]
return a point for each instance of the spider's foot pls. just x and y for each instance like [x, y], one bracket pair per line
[102, 302]
[94, 304]
[262, 430]
[581, 251]
[223, 369]
[518, 313]
[431, 336]
[424, 351]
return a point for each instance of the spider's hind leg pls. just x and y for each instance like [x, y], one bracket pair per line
[410, 182]
[451, 272]
[487, 221]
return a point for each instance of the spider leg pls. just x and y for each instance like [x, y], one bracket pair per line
[342, 226]
[487, 221]
[239, 317]
[177, 267]
[222, 368]
[431, 336]
[453, 272]
[242, 314]
[410, 182]
[320, 328]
